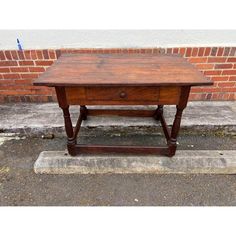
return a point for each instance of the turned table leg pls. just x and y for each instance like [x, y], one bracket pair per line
[84, 112]
[62, 101]
[71, 139]
[158, 112]
[174, 132]
[172, 142]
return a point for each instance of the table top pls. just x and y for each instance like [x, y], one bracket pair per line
[122, 70]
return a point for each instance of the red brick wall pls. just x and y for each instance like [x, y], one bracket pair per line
[19, 68]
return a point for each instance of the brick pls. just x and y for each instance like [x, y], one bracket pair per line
[21, 55]
[232, 78]
[8, 55]
[41, 91]
[19, 69]
[226, 84]
[197, 60]
[52, 54]
[12, 87]
[33, 54]
[226, 51]
[231, 89]
[27, 54]
[36, 69]
[26, 63]
[43, 63]
[11, 76]
[147, 50]
[17, 92]
[216, 59]
[205, 66]
[220, 96]
[206, 89]
[223, 66]
[203, 96]
[1, 99]
[87, 50]
[231, 59]
[142, 50]
[31, 87]
[220, 78]
[212, 72]
[8, 63]
[192, 96]
[232, 52]
[188, 52]
[2, 56]
[102, 50]
[162, 50]
[176, 50]
[45, 54]
[182, 51]
[214, 96]
[169, 50]
[231, 96]
[229, 72]
[14, 55]
[194, 52]
[7, 82]
[208, 97]
[24, 81]
[214, 51]
[43, 98]
[225, 96]
[4, 69]
[201, 52]
[29, 76]
[207, 51]
[39, 54]
[155, 50]
[220, 52]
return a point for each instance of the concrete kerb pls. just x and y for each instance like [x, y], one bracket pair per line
[184, 162]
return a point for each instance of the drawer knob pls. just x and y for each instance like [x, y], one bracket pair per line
[123, 94]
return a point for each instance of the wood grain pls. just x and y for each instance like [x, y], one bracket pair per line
[121, 70]
[111, 96]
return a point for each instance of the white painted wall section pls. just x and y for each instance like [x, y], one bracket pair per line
[44, 39]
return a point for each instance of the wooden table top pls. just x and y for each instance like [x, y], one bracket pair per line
[122, 70]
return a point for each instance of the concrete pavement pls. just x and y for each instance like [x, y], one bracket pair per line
[34, 119]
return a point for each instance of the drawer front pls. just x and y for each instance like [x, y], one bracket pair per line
[122, 95]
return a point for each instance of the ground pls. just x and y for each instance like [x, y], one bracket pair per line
[19, 185]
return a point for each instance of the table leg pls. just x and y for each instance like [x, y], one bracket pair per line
[172, 142]
[174, 132]
[158, 112]
[84, 112]
[71, 139]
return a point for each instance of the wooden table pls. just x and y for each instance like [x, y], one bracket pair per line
[122, 79]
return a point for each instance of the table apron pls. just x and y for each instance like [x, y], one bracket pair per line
[122, 95]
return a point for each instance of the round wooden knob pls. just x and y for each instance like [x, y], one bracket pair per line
[122, 94]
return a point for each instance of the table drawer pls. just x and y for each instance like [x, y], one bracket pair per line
[122, 95]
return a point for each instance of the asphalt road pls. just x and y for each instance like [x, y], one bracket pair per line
[19, 185]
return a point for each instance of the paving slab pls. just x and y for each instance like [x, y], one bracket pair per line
[184, 162]
[31, 118]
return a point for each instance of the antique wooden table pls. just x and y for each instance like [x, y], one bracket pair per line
[122, 79]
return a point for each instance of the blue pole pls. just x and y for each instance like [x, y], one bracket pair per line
[19, 45]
